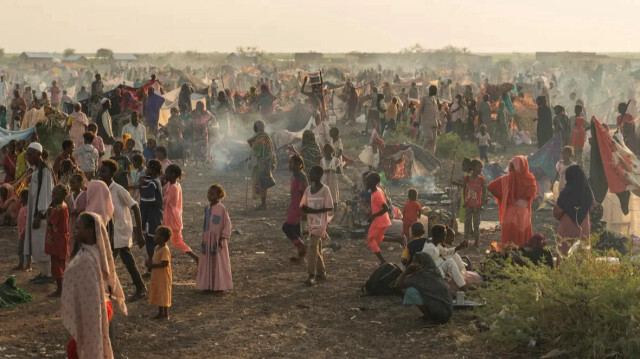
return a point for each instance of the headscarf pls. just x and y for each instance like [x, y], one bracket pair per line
[536, 241]
[88, 277]
[310, 149]
[428, 281]
[99, 200]
[519, 179]
[576, 198]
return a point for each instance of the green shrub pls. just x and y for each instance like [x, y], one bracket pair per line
[583, 309]
[450, 142]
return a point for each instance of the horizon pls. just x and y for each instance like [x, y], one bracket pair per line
[286, 26]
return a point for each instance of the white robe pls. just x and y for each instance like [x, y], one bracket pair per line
[34, 243]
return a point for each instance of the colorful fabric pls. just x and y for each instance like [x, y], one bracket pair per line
[99, 200]
[263, 159]
[378, 199]
[410, 214]
[57, 240]
[321, 199]
[543, 162]
[473, 190]
[214, 264]
[297, 188]
[172, 216]
[514, 193]
[161, 280]
[11, 295]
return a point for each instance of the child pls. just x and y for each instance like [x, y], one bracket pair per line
[9, 206]
[330, 166]
[160, 292]
[444, 257]
[21, 161]
[76, 202]
[416, 244]
[88, 156]
[579, 134]
[411, 212]
[137, 173]
[291, 226]
[22, 227]
[98, 143]
[484, 141]
[457, 202]
[129, 144]
[562, 165]
[161, 155]
[379, 218]
[57, 236]
[123, 176]
[475, 195]
[149, 152]
[214, 265]
[343, 160]
[151, 203]
[316, 202]
[172, 195]
[67, 169]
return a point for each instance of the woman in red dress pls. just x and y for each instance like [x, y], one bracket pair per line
[515, 192]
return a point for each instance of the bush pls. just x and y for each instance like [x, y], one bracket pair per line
[450, 142]
[583, 309]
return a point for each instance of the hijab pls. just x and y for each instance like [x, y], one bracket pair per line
[428, 281]
[519, 180]
[576, 197]
[89, 277]
[99, 200]
[310, 149]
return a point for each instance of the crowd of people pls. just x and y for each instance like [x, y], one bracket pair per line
[114, 185]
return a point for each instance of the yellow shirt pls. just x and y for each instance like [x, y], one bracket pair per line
[392, 112]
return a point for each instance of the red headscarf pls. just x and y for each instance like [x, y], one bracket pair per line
[518, 184]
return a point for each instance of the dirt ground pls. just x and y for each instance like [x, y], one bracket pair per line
[269, 314]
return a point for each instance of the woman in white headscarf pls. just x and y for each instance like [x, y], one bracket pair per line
[90, 290]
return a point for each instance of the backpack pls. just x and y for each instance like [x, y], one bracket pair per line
[382, 279]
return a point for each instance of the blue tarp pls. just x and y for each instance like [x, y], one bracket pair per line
[6, 135]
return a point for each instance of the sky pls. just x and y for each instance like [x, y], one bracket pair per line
[482, 26]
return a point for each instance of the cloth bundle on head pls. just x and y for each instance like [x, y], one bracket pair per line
[99, 200]
[35, 146]
[576, 197]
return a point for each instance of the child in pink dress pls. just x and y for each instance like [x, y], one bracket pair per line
[76, 202]
[214, 265]
[172, 195]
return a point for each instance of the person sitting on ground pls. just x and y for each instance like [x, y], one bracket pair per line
[418, 240]
[445, 258]
[535, 250]
[425, 288]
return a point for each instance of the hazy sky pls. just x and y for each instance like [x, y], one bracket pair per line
[324, 26]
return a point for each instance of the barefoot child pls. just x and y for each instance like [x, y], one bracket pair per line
[475, 194]
[411, 212]
[172, 195]
[151, 203]
[76, 202]
[379, 218]
[484, 142]
[316, 203]
[330, 165]
[22, 227]
[57, 237]
[137, 173]
[291, 226]
[160, 292]
[214, 265]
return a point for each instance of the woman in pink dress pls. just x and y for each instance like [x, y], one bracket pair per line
[573, 207]
[172, 195]
[77, 125]
[214, 265]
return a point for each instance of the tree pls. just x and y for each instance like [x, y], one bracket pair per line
[104, 53]
[413, 49]
[68, 52]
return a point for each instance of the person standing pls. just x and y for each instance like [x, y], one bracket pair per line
[515, 192]
[55, 94]
[4, 92]
[484, 111]
[137, 131]
[428, 119]
[97, 87]
[77, 125]
[263, 162]
[545, 127]
[105, 123]
[39, 200]
[152, 110]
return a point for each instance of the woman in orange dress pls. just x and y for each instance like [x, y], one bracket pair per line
[515, 192]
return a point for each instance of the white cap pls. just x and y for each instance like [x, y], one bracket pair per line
[104, 99]
[36, 146]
